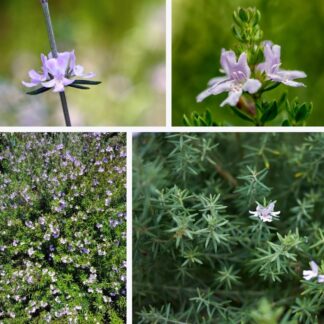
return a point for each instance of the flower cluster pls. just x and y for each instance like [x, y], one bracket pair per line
[62, 249]
[59, 72]
[238, 79]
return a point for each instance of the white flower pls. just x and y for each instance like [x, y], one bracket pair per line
[265, 213]
[313, 273]
[31, 252]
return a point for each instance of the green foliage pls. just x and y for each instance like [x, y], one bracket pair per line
[197, 255]
[210, 22]
[246, 28]
[297, 113]
[196, 119]
[62, 228]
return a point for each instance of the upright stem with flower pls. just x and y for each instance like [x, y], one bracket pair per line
[256, 71]
[58, 70]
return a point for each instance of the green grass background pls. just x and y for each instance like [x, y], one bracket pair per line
[201, 28]
[122, 41]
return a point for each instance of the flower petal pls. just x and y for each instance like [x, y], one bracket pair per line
[213, 81]
[34, 75]
[252, 85]
[72, 60]
[228, 59]
[243, 66]
[293, 83]
[63, 61]
[291, 75]
[52, 66]
[320, 278]
[29, 84]
[67, 82]
[214, 90]
[49, 84]
[44, 60]
[261, 67]
[89, 75]
[78, 70]
[59, 86]
[314, 267]
[308, 274]
[232, 99]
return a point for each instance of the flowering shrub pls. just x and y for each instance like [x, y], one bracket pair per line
[228, 228]
[250, 71]
[63, 228]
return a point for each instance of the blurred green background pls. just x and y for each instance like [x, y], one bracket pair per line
[122, 41]
[201, 28]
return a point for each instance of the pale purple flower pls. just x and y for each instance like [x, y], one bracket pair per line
[57, 73]
[271, 67]
[29, 224]
[236, 80]
[85, 251]
[41, 220]
[313, 273]
[265, 213]
[35, 77]
[30, 280]
[61, 206]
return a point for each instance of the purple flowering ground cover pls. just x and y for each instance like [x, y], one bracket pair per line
[62, 228]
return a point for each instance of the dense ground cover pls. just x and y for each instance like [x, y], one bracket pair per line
[62, 228]
[204, 248]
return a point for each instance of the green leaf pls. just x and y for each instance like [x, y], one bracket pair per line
[302, 113]
[86, 82]
[78, 86]
[285, 123]
[237, 19]
[270, 114]
[186, 120]
[38, 91]
[282, 99]
[243, 14]
[271, 87]
[256, 18]
[209, 118]
[242, 115]
[237, 33]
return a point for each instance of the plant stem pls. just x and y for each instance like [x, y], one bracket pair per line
[65, 109]
[51, 38]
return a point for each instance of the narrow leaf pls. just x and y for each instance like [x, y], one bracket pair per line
[86, 82]
[78, 86]
[38, 91]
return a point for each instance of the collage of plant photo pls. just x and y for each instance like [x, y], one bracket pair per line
[161, 162]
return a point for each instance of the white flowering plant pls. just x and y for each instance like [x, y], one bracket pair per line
[62, 228]
[228, 228]
[250, 71]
